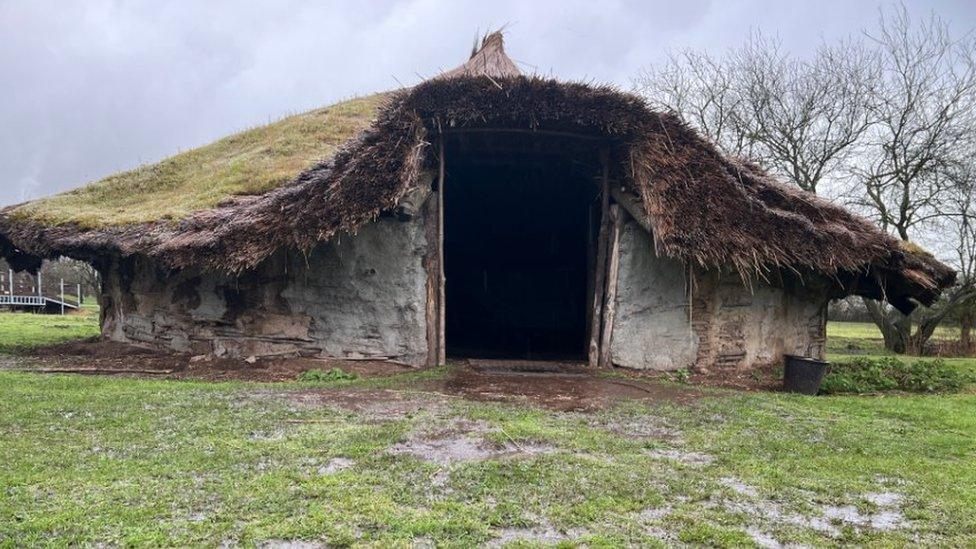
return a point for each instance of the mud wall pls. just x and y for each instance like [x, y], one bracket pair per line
[356, 296]
[730, 326]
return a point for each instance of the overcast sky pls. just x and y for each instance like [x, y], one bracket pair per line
[92, 87]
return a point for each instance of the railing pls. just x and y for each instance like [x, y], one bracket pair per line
[36, 301]
[23, 300]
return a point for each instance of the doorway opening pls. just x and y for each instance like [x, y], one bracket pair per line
[520, 221]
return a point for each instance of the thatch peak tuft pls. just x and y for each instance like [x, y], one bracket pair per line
[488, 60]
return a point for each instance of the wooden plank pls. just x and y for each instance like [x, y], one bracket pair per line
[610, 305]
[441, 305]
[601, 263]
[433, 281]
[591, 237]
[94, 371]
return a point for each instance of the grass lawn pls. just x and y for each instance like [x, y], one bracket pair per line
[23, 331]
[134, 462]
[124, 461]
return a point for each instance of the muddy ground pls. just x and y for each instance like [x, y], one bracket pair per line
[567, 386]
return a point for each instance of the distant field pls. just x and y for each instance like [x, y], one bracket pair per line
[24, 331]
[862, 338]
[867, 330]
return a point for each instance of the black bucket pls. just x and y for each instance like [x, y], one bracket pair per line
[803, 374]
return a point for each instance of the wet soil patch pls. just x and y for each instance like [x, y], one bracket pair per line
[561, 386]
[767, 377]
[885, 513]
[572, 391]
[112, 358]
[463, 441]
[374, 405]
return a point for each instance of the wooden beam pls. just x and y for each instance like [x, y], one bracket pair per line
[601, 263]
[541, 133]
[610, 304]
[633, 206]
[441, 339]
[411, 204]
[94, 371]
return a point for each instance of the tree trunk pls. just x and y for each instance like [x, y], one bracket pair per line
[895, 327]
[966, 330]
[928, 323]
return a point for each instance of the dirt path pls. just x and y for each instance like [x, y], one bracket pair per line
[564, 386]
[559, 390]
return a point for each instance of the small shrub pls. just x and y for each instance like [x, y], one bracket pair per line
[682, 375]
[870, 375]
[335, 374]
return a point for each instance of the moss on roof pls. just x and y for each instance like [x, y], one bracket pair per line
[250, 162]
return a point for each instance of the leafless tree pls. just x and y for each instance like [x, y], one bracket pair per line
[924, 109]
[73, 273]
[705, 93]
[958, 227]
[801, 119]
[893, 116]
[807, 117]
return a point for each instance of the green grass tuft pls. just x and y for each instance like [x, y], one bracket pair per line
[335, 374]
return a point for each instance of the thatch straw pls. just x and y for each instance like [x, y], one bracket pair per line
[705, 209]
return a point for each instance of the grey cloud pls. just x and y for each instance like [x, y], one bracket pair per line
[91, 87]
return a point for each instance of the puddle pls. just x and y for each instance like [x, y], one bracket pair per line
[643, 428]
[830, 520]
[694, 459]
[450, 449]
[537, 535]
[654, 513]
[464, 442]
[264, 436]
[763, 539]
[739, 487]
[289, 544]
[335, 465]
[885, 499]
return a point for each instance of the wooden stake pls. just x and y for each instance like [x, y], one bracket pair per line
[433, 280]
[95, 371]
[601, 262]
[609, 307]
[442, 306]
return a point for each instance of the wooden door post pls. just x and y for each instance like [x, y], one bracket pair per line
[613, 268]
[601, 262]
[442, 306]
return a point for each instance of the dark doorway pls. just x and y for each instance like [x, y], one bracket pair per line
[517, 231]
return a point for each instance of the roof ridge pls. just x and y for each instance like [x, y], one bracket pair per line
[489, 60]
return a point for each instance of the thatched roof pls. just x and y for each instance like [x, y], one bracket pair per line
[704, 208]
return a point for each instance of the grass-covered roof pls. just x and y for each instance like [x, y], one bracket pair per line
[247, 163]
